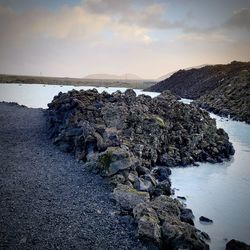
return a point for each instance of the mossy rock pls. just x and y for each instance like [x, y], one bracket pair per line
[106, 159]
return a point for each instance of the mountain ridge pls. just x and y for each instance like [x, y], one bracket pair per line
[127, 76]
[223, 89]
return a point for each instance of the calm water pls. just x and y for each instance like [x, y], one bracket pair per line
[220, 191]
[38, 95]
[217, 191]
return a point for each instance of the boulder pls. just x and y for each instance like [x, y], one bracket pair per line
[166, 206]
[116, 159]
[142, 184]
[179, 235]
[128, 197]
[187, 216]
[237, 245]
[149, 230]
[162, 188]
[162, 173]
[205, 219]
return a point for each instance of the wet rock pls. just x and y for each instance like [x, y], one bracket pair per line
[205, 236]
[237, 245]
[162, 173]
[178, 235]
[162, 188]
[182, 198]
[205, 219]
[187, 216]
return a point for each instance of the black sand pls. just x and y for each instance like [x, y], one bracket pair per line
[47, 199]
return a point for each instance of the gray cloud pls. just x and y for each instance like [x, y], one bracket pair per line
[240, 19]
[143, 13]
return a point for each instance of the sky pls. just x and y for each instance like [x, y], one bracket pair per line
[145, 37]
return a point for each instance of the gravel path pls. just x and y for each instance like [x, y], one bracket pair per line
[47, 199]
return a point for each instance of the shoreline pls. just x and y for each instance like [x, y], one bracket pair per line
[77, 82]
[13, 104]
[48, 199]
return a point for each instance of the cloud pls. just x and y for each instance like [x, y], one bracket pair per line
[232, 30]
[64, 23]
[240, 19]
[143, 13]
[208, 37]
[71, 22]
[146, 37]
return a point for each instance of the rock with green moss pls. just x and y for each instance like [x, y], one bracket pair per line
[157, 130]
[123, 137]
[116, 159]
[179, 235]
[149, 230]
[159, 222]
[128, 197]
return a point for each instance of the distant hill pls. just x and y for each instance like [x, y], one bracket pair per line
[194, 83]
[113, 77]
[161, 78]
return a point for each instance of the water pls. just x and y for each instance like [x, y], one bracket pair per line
[38, 95]
[220, 191]
[217, 191]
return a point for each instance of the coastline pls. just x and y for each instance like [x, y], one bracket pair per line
[48, 200]
[65, 81]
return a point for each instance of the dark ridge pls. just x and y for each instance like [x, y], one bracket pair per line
[194, 83]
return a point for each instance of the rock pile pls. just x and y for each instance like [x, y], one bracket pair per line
[133, 141]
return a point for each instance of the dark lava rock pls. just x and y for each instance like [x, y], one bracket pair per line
[162, 188]
[162, 173]
[154, 131]
[128, 197]
[231, 98]
[187, 216]
[194, 83]
[123, 137]
[221, 89]
[182, 198]
[237, 245]
[205, 219]
[205, 236]
[159, 222]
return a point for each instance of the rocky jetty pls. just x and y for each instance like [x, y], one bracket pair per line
[221, 89]
[132, 141]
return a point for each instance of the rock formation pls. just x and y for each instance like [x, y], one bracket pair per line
[133, 141]
[222, 89]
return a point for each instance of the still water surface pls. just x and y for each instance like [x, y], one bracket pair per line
[217, 191]
[38, 95]
[220, 191]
